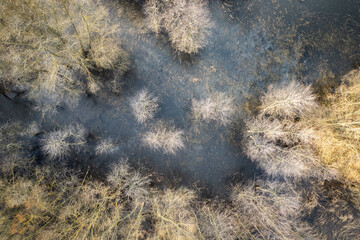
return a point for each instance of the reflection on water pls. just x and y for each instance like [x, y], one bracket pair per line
[254, 43]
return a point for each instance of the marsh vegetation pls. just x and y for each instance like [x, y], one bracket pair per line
[179, 119]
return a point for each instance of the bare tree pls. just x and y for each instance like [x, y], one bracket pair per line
[218, 107]
[188, 23]
[289, 100]
[58, 144]
[268, 210]
[144, 105]
[45, 45]
[165, 137]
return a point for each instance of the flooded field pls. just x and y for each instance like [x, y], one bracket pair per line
[253, 44]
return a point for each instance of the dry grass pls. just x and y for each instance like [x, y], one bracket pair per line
[188, 23]
[14, 138]
[338, 129]
[219, 107]
[164, 137]
[144, 105]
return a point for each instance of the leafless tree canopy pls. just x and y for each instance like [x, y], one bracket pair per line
[187, 22]
[46, 45]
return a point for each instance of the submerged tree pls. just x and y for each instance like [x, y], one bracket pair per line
[52, 47]
[218, 107]
[187, 22]
[165, 137]
[144, 105]
[174, 216]
[106, 146]
[280, 139]
[59, 143]
[268, 211]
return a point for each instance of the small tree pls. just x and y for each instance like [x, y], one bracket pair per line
[58, 144]
[290, 100]
[218, 107]
[164, 137]
[187, 22]
[144, 105]
[268, 210]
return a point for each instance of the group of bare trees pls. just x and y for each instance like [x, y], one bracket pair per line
[49, 201]
[51, 48]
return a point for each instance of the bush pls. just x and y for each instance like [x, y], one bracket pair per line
[46, 44]
[218, 223]
[292, 100]
[164, 137]
[187, 22]
[219, 107]
[144, 105]
[174, 217]
[267, 210]
[58, 144]
[105, 146]
[280, 138]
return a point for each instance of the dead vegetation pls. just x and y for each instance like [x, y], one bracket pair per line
[188, 23]
[338, 129]
[280, 138]
[46, 46]
[144, 105]
[164, 137]
[268, 210]
[218, 107]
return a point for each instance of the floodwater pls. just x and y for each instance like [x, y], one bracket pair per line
[253, 44]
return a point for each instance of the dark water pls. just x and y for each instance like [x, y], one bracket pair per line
[253, 44]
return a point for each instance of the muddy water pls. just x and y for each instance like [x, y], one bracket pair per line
[253, 44]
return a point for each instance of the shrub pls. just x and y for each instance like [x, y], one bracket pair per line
[289, 100]
[219, 107]
[15, 159]
[174, 217]
[105, 146]
[144, 105]
[57, 144]
[51, 42]
[338, 128]
[267, 210]
[187, 22]
[280, 138]
[164, 137]
[131, 182]
[218, 223]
